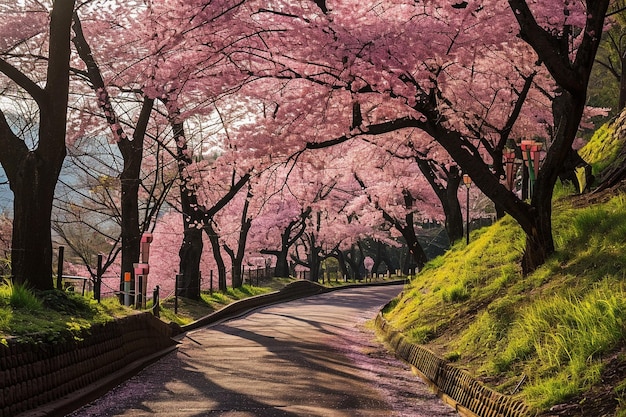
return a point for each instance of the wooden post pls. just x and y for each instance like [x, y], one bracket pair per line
[60, 268]
[98, 283]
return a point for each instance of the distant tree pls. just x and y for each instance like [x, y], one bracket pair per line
[612, 56]
[289, 235]
[237, 254]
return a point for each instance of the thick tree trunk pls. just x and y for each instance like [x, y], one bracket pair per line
[418, 255]
[131, 234]
[452, 207]
[191, 248]
[281, 270]
[537, 223]
[314, 260]
[282, 265]
[190, 254]
[315, 268]
[539, 245]
[31, 256]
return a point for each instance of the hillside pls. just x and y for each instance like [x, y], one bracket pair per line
[555, 338]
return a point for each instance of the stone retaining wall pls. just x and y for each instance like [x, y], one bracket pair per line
[32, 375]
[454, 385]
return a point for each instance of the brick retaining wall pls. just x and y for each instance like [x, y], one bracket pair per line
[453, 385]
[32, 375]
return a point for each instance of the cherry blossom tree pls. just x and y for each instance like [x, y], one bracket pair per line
[395, 193]
[32, 168]
[291, 232]
[463, 58]
[167, 67]
[198, 216]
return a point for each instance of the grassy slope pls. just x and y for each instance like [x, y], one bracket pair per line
[604, 147]
[556, 326]
[55, 316]
[559, 327]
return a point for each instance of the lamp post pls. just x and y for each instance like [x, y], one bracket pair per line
[509, 159]
[530, 152]
[468, 183]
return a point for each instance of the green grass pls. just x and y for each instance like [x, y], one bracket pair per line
[557, 326]
[19, 297]
[604, 146]
[190, 310]
[50, 316]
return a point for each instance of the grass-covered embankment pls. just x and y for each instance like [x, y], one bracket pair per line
[55, 316]
[50, 316]
[558, 326]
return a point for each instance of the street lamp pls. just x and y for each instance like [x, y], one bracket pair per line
[530, 152]
[509, 159]
[468, 183]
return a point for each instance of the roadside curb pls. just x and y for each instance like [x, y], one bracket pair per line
[292, 291]
[454, 386]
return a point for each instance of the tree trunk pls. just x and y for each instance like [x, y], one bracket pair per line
[287, 239]
[382, 256]
[537, 221]
[237, 259]
[314, 267]
[282, 264]
[190, 254]
[191, 248]
[315, 261]
[447, 195]
[219, 260]
[622, 83]
[341, 259]
[415, 249]
[31, 257]
[452, 207]
[353, 262]
[132, 153]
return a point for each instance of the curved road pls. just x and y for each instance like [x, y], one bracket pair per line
[310, 357]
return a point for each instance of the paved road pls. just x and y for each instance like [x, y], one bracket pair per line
[310, 357]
